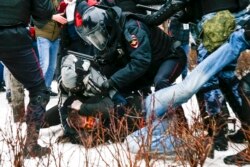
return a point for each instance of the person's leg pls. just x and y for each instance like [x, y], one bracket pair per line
[43, 47]
[24, 65]
[157, 104]
[54, 48]
[229, 86]
[243, 157]
[215, 106]
[17, 100]
[160, 141]
[218, 114]
[168, 72]
[7, 83]
[180, 93]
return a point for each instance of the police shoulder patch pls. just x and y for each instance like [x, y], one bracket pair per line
[134, 43]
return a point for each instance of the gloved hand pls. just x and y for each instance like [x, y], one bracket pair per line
[243, 64]
[118, 99]
[107, 85]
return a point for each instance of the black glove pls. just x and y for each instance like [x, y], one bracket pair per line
[107, 85]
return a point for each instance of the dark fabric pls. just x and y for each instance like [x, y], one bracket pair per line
[24, 65]
[1, 74]
[168, 9]
[91, 107]
[18, 56]
[244, 90]
[19, 11]
[132, 109]
[100, 106]
[36, 108]
[168, 72]
[14, 17]
[15, 38]
[63, 111]
[177, 31]
[72, 32]
[151, 2]
[125, 5]
[208, 6]
[145, 59]
[51, 117]
[194, 9]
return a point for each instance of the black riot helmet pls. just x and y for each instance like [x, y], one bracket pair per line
[101, 26]
[96, 27]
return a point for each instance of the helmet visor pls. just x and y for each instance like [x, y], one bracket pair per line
[94, 29]
[98, 37]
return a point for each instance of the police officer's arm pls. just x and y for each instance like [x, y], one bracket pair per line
[165, 12]
[140, 54]
[42, 9]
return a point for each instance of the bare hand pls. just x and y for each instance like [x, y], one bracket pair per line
[76, 105]
[59, 18]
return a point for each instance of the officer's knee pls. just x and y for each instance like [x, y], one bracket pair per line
[40, 98]
[160, 83]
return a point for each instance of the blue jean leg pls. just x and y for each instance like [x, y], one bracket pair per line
[180, 93]
[157, 104]
[48, 51]
[161, 142]
[213, 96]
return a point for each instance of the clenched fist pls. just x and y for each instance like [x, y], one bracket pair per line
[243, 64]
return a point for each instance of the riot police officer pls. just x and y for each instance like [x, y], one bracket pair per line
[18, 56]
[132, 55]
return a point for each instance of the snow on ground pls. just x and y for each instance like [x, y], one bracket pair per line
[70, 155]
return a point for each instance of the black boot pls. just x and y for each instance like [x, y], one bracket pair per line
[220, 140]
[31, 147]
[34, 119]
[218, 130]
[2, 89]
[243, 157]
[239, 159]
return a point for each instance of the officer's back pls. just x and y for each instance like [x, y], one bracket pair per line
[14, 17]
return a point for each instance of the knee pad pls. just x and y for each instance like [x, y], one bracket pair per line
[40, 98]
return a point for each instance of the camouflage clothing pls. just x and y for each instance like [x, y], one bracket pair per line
[17, 98]
[217, 29]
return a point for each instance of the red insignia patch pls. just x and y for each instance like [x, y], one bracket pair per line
[134, 43]
[78, 19]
